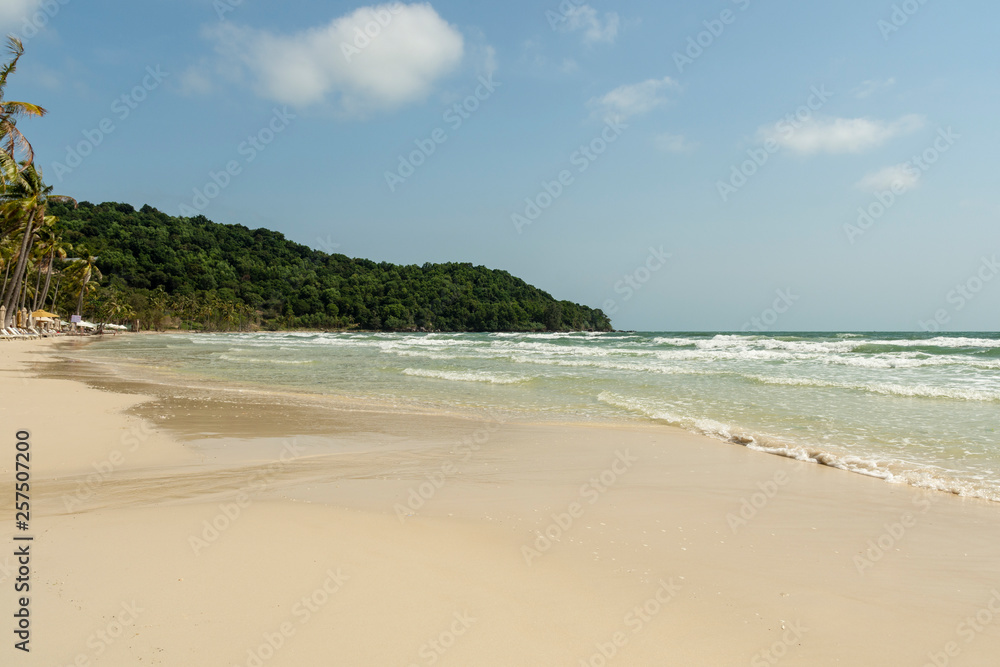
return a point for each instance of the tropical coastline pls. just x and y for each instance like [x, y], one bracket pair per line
[218, 517]
[907, 408]
[307, 353]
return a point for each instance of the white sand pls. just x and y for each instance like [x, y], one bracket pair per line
[450, 583]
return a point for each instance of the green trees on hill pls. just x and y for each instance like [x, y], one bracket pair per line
[216, 276]
[113, 263]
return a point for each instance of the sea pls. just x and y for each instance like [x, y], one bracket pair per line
[918, 409]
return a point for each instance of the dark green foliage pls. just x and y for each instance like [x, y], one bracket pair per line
[292, 285]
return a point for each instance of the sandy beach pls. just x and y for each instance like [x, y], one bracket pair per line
[172, 529]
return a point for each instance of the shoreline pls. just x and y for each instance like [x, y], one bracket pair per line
[552, 535]
[262, 394]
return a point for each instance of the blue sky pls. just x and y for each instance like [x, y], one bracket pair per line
[716, 157]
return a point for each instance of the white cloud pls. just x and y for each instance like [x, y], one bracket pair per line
[13, 13]
[900, 178]
[480, 54]
[674, 143]
[837, 135]
[871, 86]
[585, 18]
[398, 61]
[633, 99]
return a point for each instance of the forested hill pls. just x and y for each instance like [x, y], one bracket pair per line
[149, 257]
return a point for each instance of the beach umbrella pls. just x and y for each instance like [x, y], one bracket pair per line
[43, 313]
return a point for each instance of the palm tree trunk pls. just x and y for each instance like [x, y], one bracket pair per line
[14, 289]
[83, 288]
[8, 293]
[6, 272]
[55, 297]
[38, 284]
[24, 290]
[48, 279]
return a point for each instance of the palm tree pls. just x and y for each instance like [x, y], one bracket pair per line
[12, 142]
[53, 245]
[157, 307]
[7, 254]
[12, 210]
[55, 297]
[112, 307]
[246, 313]
[39, 253]
[87, 269]
[26, 198]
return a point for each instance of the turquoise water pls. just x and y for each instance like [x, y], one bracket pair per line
[922, 409]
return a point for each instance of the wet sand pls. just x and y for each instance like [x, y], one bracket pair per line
[177, 526]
